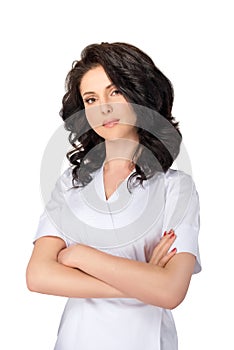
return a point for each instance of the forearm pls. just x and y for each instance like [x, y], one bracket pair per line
[143, 281]
[56, 279]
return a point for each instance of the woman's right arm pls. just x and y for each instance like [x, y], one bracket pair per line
[45, 275]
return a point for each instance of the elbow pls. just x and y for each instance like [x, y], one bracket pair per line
[33, 280]
[174, 302]
[31, 285]
[168, 301]
[30, 281]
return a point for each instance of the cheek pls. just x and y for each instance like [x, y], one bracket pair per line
[92, 117]
[128, 115]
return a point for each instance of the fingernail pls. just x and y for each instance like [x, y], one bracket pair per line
[165, 233]
[173, 250]
[172, 235]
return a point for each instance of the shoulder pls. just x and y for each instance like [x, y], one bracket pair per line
[64, 181]
[178, 179]
[181, 193]
[176, 175]
[180, 188]
[172, 179]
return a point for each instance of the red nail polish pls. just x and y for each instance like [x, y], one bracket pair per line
[173, 250]
[165, 233]
[172, 235]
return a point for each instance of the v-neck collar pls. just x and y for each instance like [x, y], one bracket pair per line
[115, 195]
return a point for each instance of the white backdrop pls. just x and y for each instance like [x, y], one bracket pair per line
[192, 43]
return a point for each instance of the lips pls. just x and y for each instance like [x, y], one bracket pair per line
[110, 122]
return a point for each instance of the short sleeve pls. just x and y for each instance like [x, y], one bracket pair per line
[49, 221]
[182, 213]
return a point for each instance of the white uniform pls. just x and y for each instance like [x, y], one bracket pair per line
[127, 225]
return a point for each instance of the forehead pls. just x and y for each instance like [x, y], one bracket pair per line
[94, 79]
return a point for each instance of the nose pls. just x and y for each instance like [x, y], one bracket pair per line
[106, 108]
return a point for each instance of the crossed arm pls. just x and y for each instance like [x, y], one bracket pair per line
[84, 272]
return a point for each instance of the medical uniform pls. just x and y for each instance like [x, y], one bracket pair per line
[128, 224]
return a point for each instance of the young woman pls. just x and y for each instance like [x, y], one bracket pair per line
[119, 236]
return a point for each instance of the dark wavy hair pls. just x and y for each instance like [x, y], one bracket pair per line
[144, 86]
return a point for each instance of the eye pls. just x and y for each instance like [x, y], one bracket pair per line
[89, 100]
[115, 92]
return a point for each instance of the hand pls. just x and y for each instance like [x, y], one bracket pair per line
[68, 256]
[160, 255]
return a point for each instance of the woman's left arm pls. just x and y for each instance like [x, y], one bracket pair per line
[160, 286]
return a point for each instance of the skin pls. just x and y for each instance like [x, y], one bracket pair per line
[162, 282]
[85, 272]
[103, 102]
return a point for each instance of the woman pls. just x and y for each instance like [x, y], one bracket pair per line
[119, 235]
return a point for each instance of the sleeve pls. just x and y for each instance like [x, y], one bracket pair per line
[182, 213]
[49, 221]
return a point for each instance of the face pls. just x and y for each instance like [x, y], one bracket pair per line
[107, 111]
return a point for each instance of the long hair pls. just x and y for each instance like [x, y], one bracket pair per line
[144, 86]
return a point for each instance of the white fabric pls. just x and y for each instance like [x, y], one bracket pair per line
[127, 225]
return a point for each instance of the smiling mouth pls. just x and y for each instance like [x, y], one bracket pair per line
[110, 123]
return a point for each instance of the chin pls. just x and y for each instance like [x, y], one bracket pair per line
[116, 132]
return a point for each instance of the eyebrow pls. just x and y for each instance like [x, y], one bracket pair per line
[92, 92]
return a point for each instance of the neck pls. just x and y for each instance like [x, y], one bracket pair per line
[120, 153]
